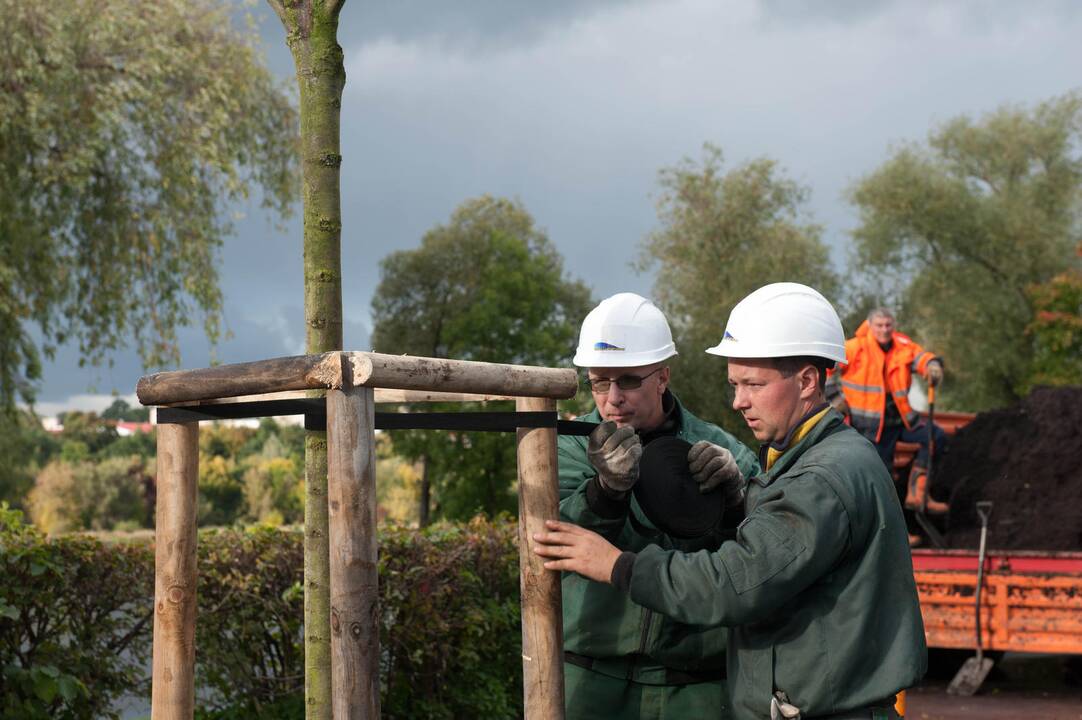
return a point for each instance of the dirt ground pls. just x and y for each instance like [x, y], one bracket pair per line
[1020, 687]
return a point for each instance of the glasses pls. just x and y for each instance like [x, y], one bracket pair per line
[624, 382]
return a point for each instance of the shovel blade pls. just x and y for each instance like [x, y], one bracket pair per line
[970, 676]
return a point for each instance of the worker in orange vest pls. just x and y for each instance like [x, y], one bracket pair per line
[874, 391]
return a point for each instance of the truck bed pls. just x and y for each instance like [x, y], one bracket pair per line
[1031, 601]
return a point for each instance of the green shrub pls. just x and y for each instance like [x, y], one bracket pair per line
[75, 623]
[450, 639]
[249, 647]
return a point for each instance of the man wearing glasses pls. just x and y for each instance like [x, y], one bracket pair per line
[621, 659]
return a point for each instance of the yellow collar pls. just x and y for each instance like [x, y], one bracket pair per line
[773, 452]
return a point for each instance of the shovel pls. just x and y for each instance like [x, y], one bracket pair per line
[922, 519]
[975, 669]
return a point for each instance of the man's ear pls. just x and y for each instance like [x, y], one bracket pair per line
[809, 382]
[663, 379]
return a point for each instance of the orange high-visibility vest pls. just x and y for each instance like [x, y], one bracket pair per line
[868, 374]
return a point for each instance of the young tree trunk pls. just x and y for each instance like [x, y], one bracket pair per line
[311, 32]
[426, 490]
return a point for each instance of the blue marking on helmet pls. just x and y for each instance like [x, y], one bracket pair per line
[606, 346]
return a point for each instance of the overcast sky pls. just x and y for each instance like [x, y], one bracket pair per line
[573, 107]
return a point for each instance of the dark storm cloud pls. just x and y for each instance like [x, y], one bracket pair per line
[573, 108]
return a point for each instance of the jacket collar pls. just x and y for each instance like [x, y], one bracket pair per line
[815, 425]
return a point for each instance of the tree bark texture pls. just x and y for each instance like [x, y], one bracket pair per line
[466, 376]
[398, 378]
[173, 687]
[426, 494]
[311, 32]
[275, 375]
[542, 603]
[351, 495]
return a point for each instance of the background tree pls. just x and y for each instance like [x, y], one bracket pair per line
[125, 130]
[88, 495]
[958, 230]
[312, 35]
[121, 410]
[721, 236]
[25, 448]
[1056, 330]
[486, 286]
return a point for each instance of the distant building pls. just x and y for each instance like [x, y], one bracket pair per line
[52, 425]
[125, 428]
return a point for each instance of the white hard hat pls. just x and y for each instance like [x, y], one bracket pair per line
[783, 320]
[625, 330]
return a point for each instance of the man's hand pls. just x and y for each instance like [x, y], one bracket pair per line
[577, 550]
[935, 373]
[713, 466]
[614, 453]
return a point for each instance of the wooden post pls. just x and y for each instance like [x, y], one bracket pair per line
[351, 495]
[173, 688]
[542, 609]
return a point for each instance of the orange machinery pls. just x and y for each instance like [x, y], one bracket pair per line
[1031, 601]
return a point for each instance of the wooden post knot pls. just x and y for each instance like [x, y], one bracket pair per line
[336, 624]
[356, 630]
[176, 594]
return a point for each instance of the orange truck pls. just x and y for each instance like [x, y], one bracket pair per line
[1031, 601]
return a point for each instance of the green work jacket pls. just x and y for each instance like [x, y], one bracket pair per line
[600, 621]
[818, 584]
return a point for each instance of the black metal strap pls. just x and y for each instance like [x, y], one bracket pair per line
[315, 417]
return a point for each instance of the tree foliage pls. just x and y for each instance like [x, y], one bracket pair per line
[75, 619]
[722, 235]
[487, 286]
[1056, 330]
[25, 448]
[91, 495]
[958, 230]
[121, 410]
[89, 477]
[126, 129]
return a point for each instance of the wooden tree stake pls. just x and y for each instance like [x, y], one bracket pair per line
[542, 621]
[173, 689]
[351, 495]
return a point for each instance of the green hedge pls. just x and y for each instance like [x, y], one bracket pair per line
[75, 623]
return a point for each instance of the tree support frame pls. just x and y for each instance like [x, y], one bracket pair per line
[353, 383]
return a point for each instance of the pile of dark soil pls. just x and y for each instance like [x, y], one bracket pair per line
[1026, 459]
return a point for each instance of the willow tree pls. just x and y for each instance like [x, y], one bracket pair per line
[127, 130]
[311, 32]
